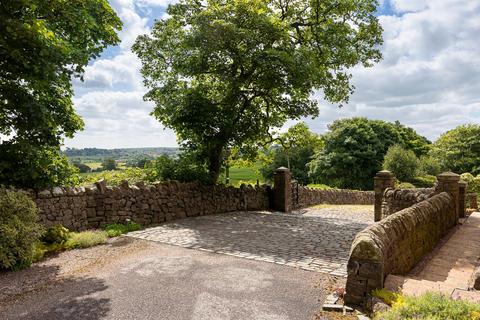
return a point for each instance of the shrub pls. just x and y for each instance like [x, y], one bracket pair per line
[403, 163]
[405, 185]
[425, 181]
[18, 229]
[433, 306]
[114, 178]
[428, 165]
[319, 186]
[117, 229]
[55, 234]
[185, 168]
[473, 182]
[86, 239]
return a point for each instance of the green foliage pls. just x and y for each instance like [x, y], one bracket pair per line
[386, 296]
[319, 186]
[458, 150]
[354, 152]
[18, 229]
[26, 166]
[43, 45]
[82, 167]
[431, 306]
[185, 168]
[401, 162]
[429, 165]
[411, 140]
[297, 147]
[86, 239]
[473, 182]
[223, 73]
[424, 181]
[114, 178]
[405, 185]
[55, 234]
[109, 164]
[117, 229]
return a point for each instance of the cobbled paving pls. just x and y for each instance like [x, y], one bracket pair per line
[311, 239]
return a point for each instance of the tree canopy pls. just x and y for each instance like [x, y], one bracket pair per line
[294, 149]
[43, 44]
[222, 73]
[354, 151]
[458, 150]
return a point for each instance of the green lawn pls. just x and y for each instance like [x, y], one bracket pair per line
[239, 175]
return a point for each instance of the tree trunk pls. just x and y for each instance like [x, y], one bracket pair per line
[215, 164]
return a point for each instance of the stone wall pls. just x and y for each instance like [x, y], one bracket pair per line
[396, 244]
[395, 200]
[82, 208]
[311, 196]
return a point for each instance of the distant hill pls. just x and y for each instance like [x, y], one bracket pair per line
[118, 154]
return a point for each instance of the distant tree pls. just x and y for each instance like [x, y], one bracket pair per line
[402, 163]
[43, 44]
[458, 150]
[184, 168]
[411, 140]
[139, 161]
[295, 148]
[222, 73]
[82, 167]
[109, 164]
[354, 152]
[429, 165]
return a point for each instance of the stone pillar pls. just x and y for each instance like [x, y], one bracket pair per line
[449, 182]
[383, 180]
[462, 192]
[282, 190]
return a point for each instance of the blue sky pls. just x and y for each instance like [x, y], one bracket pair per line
[428, 79]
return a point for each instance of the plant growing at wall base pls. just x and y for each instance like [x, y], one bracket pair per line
[19, 230]
[222, 73]
[117, 229]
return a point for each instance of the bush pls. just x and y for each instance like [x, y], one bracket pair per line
[185, 168]
[114, 178]
[473, 182]
[117, 229]
[86, 239]
[425, 181]
[55, 234]
[319, 186]
[405, 185]
[401, 162]
[432, 306]
[18, 229]
[428, 165]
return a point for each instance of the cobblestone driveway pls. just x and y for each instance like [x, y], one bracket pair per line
[311, 239]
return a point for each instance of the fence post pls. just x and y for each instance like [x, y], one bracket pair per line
[282, 190]
[382, 180]
[449, 182]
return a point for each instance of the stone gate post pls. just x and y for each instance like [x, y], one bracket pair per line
[383, 180]
[282, 190]
[462, 193]
[449, 182]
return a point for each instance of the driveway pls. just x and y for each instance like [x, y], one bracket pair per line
[131, 278]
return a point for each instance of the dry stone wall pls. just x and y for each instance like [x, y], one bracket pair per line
[310, 196]
[396, 244]
[395, 200]
[82, 208]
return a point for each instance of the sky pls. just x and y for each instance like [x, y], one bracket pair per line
[429, 78]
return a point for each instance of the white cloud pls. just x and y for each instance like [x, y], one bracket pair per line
[430, 75]
[429, 78]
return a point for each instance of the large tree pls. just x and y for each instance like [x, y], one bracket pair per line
[43, 44]
[458, 150]
[354, 151]
[223, 73]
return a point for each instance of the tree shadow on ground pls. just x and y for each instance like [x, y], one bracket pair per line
[71, 298]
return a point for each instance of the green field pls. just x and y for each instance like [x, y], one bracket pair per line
[239, 175]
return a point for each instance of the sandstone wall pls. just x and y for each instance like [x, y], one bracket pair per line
[310, 196]
[82, 208]
[395, 200]
[396, 244]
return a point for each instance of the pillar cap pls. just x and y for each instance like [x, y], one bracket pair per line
[384, 174]
[448, 176]
[282, 169]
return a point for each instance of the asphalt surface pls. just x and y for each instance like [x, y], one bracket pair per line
[168, 282]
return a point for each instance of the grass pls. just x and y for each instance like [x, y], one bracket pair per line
[319, 186]
[117, 229]
[86, 239]
[431, 306]
[239, 175]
